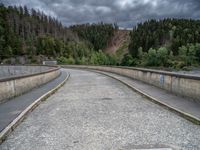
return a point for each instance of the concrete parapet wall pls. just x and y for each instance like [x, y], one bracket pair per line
[11, 71]
[180, 84]
[16, 85]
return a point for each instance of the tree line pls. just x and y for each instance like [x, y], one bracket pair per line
[97, 34]
[32, 33]
[21, 31]
[167, 42]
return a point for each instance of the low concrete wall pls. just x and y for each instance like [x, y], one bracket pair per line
[12, 71]
[17, 85]
[180, 84]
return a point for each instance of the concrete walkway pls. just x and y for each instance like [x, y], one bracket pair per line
[9, 110]
[189, 107]
[95, 112]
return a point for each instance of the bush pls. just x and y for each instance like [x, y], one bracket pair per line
[63, 60]
[178, 64]
[99, 58]
[189, 54]
[128, 60]
[152, 59]
[162, 55]
[82, 61]
[112, 59]
[197, 54]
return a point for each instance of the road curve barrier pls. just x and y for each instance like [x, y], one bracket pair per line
[16, 80]
[185, 85]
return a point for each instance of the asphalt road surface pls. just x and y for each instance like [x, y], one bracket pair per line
[95, 112]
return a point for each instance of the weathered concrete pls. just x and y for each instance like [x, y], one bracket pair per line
[15, 110]
[54, 62]
[95, 112]
[12, 71]
[14, 86]
[184, 107]
[181, 84]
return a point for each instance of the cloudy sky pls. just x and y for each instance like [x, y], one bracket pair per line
[126, 13]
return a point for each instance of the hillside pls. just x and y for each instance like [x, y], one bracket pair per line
[30, 36]
[173, 43]
[97, 34]
[117, 41]
[31, 32]
[170, 33]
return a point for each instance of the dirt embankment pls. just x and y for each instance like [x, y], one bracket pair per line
[117, 41]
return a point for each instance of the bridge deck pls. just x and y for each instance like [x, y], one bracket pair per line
[10, 109]
[184, 105]
[92, 111]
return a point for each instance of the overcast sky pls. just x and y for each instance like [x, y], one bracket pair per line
[126, 13]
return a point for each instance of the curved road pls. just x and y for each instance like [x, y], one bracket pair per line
[95, 112]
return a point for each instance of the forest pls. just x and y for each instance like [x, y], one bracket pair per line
[98, 35]
[170, 43]
[31, 33]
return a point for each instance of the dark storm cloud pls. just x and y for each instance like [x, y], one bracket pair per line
[125, 12]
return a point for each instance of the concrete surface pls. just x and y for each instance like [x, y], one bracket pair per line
[12, 71]
[191, 109]
[9, 110]
[13, 87]
[95, 112]
[181, 84]
[195, 72]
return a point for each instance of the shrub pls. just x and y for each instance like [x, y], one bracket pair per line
[128, 60]
[152, 59]
[197, 54]
[63, 60]
[162, 56]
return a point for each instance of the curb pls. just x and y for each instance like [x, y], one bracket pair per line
[181, 113]
[4, 134]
